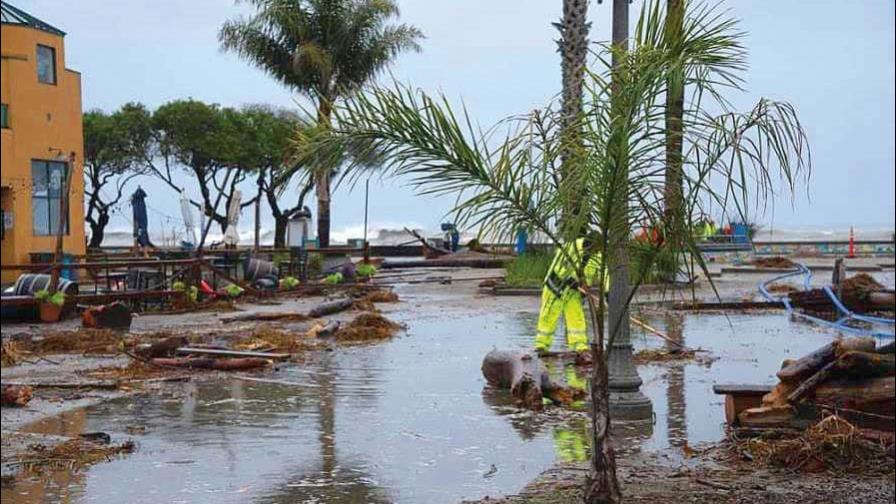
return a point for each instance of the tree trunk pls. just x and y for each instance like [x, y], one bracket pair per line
[322, 182]
[573, 47]
[98, 229]
[322, 190]
[526, 378]
[603, 485]
[674, 119]
[280, 222]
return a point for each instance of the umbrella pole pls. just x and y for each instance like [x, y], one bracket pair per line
[258, 215]
[63, 221]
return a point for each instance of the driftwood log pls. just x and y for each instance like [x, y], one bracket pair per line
[331, 307]
[867, 365]
[214, 364]
[16, 395]
[267, 317]
[806, 366]
[162, 348]
[526, 378]
[114, 315]
[875, 395]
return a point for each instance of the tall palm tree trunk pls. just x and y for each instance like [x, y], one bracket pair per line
[322, 182]
[674, 119]
[573, 48]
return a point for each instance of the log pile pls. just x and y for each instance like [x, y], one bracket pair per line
[850, 377]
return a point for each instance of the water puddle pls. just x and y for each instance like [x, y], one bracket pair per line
[404, 421]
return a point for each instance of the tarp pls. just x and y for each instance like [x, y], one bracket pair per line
[231, 236]
[141, 223]
[186, 211]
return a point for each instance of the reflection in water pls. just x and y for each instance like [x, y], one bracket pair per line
[571, 441]
[676, 417]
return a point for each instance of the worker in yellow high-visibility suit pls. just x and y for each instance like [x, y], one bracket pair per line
[561, 296]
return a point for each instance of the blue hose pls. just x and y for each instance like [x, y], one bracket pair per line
[846, 315]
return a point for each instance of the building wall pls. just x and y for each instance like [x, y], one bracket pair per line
[44, 124]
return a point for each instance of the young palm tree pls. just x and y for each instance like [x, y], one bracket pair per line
[734, 160]
[324, 49]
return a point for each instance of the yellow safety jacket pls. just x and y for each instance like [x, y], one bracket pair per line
[562, 273]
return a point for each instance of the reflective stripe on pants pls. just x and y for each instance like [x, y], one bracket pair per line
[570, 305]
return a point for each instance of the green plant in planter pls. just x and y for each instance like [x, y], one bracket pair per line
[191, 292]
[333, 279]
[289, 282]
[233, 290]
[57, 298]
[366, 270]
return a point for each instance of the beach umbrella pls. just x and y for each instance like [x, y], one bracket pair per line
[231, 237]
[189, 225]
[141, 223]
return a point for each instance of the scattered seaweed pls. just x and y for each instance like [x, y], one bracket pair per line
[135, 371]
[71, 455]
[265, 337]
[367, 327]
[78, 341]
[832, 444]
[663, 355]
[860, 285]
[13, 353]
[773, 262]
[782, 288]
[381, 296]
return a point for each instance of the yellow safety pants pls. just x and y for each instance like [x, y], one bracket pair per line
[570, 305]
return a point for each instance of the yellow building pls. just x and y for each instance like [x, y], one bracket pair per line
[41, 136]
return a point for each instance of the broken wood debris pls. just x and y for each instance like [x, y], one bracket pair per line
[844, 374]
[230, 353]
[234, 364]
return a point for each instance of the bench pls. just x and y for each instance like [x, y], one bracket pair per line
[739, 397]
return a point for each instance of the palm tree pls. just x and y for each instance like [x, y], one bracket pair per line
[734, 160]
[573, 48]
[324, 49]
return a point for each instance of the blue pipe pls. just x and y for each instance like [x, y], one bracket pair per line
[841, 323]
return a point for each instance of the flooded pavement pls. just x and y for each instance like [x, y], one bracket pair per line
[402, 421]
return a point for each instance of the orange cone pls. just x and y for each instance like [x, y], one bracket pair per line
[852, 243]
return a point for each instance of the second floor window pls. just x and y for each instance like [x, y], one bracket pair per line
[47, 181]
[46, 64]
[4, 116]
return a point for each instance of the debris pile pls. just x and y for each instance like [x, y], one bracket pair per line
[367, 327]
[664, 355]
[12, 353]
[16, 395]
[777, 262]
[72, 455]
[832, 444]
[80, 340]
[848, 376]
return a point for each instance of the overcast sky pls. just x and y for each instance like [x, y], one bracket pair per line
[833, 60]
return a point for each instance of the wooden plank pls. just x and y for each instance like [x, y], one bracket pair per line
[230, 353]
[741, 389]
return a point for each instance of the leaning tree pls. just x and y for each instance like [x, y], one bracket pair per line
[324, 49]
[114, 148]
[732, 159]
